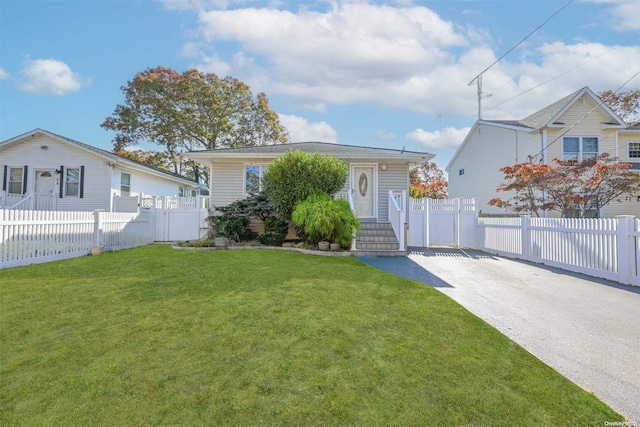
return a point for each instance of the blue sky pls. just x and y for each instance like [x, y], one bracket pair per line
[373, 73]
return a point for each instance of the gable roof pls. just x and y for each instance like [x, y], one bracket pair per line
[546, 117]
[106, 155]
[337, 150]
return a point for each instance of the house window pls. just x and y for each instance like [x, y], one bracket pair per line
[591, 211]
[72, 182]
[634, 150]
[461, 172]
[253, 178]
[125, 184]
[187, 192]
[15, 180]
[579, 148]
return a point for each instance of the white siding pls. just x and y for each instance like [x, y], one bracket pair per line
[96, 173]
[487, 150]
[395, 178]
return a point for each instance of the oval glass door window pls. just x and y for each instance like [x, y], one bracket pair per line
[363, 184]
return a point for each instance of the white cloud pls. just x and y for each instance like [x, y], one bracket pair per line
[445, 140]
[50, 77]
[300, 129]
[624, 13]
[3, 74]
[409, 58]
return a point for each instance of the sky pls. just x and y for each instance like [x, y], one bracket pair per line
[394, 74]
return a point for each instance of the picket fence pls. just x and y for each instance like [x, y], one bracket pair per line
[603, 247]
[32, 237]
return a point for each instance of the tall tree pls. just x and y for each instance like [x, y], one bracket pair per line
[572, 189]
[624, 104]
[192, 111]
[428, 181]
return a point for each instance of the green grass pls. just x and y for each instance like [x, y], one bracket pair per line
[156, 336]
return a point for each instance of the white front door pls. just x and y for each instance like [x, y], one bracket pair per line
[363, 187]
[43, 191]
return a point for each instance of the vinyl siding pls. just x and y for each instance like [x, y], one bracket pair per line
[227, 182]
[487, 150]
[142, 183]
[580, 120]
[96, 173]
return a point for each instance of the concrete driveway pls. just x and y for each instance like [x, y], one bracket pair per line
[587, 329]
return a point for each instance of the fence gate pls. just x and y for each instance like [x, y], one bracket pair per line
[442, 222]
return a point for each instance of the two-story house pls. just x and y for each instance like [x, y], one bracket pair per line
[575, 127]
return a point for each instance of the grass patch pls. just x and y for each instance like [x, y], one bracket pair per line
[155, 336]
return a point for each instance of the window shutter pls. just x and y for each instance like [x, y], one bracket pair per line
[61, 195]
[81, 182]
[4, 179]
[24, 179]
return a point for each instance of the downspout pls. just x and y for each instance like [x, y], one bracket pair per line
[516, 132]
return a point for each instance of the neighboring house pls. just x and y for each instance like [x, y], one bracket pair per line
[575, 127]
[44, 171]
[373, 173]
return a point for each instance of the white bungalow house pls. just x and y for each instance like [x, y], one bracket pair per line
[575, 127]
[44, 171]
[377, 186]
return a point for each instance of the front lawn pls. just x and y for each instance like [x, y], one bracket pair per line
[156, 336]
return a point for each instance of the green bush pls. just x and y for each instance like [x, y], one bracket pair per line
[275, 232]
[325, 219]
[232, 226]
[296, 175]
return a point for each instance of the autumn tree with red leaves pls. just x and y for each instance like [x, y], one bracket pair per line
[572, 189]
[428, 181]
[625, 104]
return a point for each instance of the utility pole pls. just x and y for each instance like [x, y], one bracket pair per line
[478, 81]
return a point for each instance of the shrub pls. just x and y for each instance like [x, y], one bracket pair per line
[232, 226]
[275, 232]
[296, 175]
[325, 219]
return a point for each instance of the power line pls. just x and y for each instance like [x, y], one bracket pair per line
[602, 101]
[558, 76]
[520, 42]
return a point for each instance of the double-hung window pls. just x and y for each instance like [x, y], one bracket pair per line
[15, 180]
[253, 178]
[125, 184]
[579, 148]
[72, 182]
[634, 150]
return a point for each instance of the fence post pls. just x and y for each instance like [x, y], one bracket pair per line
[624, 228]
[525, 239]
[98, 244]
[427, 219]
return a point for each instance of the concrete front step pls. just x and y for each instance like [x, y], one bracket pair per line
[378, 253]
[388, 246]
[377, 239]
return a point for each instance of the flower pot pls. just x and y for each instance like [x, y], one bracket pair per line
[220, 242]
[323, 246]
[335, 247]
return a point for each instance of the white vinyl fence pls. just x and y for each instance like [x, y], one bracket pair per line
[603, 247]
[31, 237]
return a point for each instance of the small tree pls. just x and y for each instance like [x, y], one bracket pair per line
[296, 175]
[325, 219]
[567, 187]
[428, 181]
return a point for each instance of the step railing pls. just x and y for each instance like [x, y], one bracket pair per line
[397, 216]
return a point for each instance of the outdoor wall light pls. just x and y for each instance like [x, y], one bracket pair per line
[383, 167]
[44, 147]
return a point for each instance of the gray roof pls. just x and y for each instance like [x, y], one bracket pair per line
[101, 152]
[542, 117]
[338, 150]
